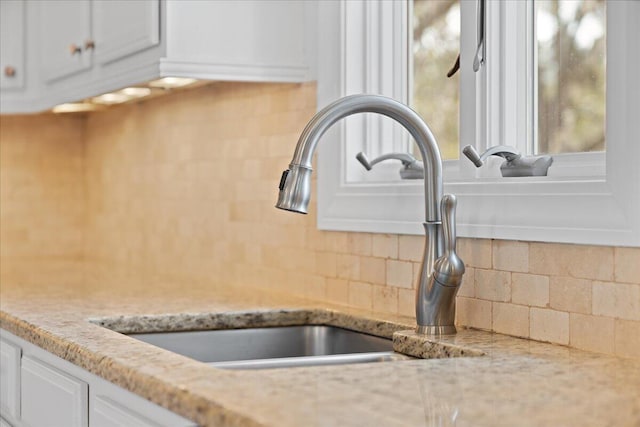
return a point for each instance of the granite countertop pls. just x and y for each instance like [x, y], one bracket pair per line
[511, 381]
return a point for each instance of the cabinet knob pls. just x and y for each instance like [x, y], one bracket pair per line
[9, 71]
[74, 49]
[89, 44]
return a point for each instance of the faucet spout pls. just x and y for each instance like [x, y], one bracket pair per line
[324, 119]
[295, 184]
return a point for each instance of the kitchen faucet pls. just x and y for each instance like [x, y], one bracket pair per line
[442, 270]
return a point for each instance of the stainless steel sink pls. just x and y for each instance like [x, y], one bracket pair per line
[274, 347]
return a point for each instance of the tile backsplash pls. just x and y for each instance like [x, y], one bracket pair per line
[181, 189]
[42, 198]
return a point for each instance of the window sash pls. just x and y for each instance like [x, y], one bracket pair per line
[507, 92]
[591, 198]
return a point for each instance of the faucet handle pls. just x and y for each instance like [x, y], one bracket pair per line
[504, 151]
[472, 155]
[413, 168]
[515, 164]
[449, 268]
[448, 212]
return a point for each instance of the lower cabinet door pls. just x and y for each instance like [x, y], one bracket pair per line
[9, 381]
[107, 413]
[52, 398]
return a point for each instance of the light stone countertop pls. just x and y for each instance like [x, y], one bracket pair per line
[515, 383]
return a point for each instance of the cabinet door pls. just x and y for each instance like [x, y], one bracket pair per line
[123, 27]
[112, 406]
[107, 413]
[51, 397]
[12, 46]
[9, 380]
[65, 27]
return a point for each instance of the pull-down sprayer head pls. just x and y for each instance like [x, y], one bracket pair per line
[295, 189]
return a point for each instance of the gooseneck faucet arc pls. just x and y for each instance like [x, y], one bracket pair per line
[442, 270]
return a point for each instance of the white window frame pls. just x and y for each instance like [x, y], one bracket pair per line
[587, 199]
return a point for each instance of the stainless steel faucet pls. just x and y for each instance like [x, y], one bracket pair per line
[442, 269]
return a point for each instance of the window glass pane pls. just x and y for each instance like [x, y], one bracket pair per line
[571, 75]
[436, 42]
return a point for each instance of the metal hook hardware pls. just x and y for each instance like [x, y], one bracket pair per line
[455, 68]
[478, 59]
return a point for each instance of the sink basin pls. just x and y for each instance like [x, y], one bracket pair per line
[274, 347]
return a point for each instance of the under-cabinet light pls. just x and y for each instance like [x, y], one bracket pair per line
[73, 107]
[131, 93]
[171, 82]
[111, 98]
[135, 92]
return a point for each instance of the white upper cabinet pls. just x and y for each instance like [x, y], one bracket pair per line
[75, 34]
[82, 48]
[257, 40]
[124, 27]
[64, 28]
[12, 44]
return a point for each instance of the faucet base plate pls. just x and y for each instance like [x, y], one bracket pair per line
[436, 330]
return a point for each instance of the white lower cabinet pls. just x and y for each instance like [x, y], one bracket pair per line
[107, 413]
[112, 406]
[52, 397]
[38, 389]
[9, 381]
